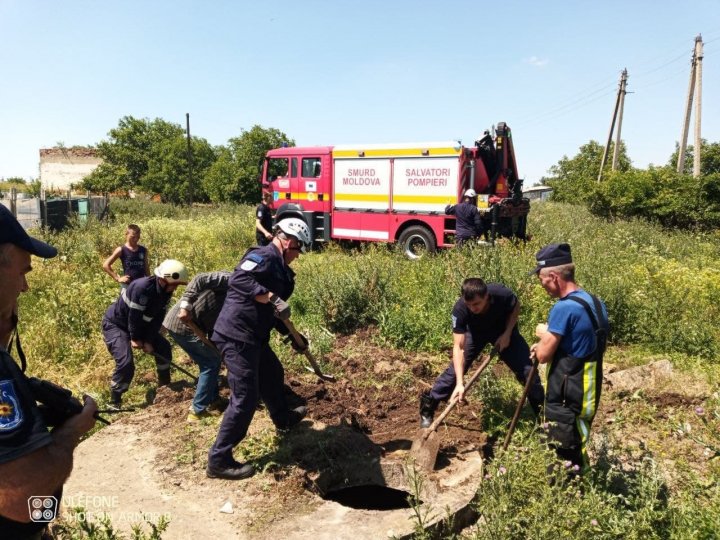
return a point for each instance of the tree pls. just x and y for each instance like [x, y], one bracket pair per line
[234, 177]
[709, 158]
[574, 180]
[168, 169]
[150, 156]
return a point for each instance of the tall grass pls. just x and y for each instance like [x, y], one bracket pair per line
[662, 288]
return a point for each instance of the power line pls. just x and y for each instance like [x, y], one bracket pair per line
[565, 109]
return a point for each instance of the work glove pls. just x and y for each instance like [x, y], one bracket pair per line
[297, 347]
[282, 309]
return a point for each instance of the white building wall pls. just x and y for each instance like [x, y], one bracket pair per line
[59, 168]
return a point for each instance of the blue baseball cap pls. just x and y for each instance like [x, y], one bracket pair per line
[552, 255]
[11, 232]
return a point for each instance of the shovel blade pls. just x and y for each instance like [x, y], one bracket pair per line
[424, 449]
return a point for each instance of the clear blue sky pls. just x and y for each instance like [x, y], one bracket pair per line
[341, 72]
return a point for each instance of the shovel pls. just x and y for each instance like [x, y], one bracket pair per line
[315, 366]
[520, 404]
[202, 337]
[540, 329]
[426, 445]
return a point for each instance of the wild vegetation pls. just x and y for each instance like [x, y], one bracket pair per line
[662, 289]
[658, 194]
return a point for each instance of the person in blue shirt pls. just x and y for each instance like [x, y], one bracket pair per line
[255, 305]
[572, 343]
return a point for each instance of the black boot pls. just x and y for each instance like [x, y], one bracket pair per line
[428, 405]
[115, 400]
[163, 377]
[295, 416]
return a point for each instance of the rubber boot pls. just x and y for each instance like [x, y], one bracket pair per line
[115, 400]
[428, 406]
[163, 377]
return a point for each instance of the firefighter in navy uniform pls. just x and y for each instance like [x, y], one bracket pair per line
[468, 223]
[485, 313]
[254, 305]
[133, 321]
[263, 220]
[34, 462]
[573, 343]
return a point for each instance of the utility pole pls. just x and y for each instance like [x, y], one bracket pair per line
[623, 86]
[688, 108]
[698, 105]
[612, 124]
[189, 160]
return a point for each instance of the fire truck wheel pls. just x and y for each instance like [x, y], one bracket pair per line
[416, 241]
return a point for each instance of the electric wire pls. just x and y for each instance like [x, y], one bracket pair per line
[585, 97]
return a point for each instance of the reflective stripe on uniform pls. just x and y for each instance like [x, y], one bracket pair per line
[589, 389]
[130, 303]
[147, 318]
[583, 427]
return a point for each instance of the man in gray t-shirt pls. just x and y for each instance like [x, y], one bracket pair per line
[190, 322]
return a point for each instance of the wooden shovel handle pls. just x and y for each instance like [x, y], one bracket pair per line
[474, 377]
[201, 335]
[521, 403]
[298, 339]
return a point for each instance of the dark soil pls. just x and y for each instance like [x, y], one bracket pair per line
[372, 408]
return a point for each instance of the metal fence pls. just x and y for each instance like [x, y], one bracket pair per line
[53, 213]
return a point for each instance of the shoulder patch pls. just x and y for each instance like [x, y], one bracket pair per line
[256, 257]
[143, 300]
[10, 412]
[248, 265]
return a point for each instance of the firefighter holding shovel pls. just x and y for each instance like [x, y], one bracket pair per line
[256, 302]
[133, 321]
[484, 313]
[572, 343]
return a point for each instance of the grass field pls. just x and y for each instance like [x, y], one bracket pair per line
[662, 290]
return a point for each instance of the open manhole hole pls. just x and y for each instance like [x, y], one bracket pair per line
[372, 497]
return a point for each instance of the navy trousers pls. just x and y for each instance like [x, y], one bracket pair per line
[117, 341]
[254, 373]
[516, 356]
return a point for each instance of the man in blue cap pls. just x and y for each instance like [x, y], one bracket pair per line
[573, 343]
[34, 462]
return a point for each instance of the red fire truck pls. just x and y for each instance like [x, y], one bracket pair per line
[398, 192]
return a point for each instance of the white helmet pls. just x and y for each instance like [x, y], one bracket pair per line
[470, 193]
[172, 271]
[296, 228]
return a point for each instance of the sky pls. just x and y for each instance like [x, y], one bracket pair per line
[329, 72]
